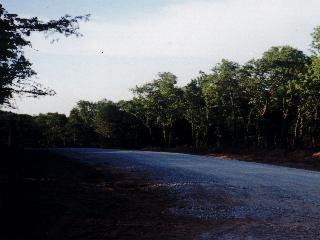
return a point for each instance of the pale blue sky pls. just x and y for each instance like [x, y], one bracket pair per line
[107, 9]
[140, 38]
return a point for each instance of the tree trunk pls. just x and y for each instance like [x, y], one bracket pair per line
[247, 127]
[233, 117]
[10, 134]
[74, 138]
[296, 129]
[197, 140]
[195, 137]
[164, 133]
[170, 138]
[283, 136]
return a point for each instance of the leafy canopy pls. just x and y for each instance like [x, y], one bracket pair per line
[16, 73]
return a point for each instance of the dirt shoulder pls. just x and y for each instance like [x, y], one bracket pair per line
[44, 196]
[304, 159]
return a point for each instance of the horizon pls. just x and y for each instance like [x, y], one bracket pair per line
[126, 44]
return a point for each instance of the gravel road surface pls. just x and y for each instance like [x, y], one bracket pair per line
[247, 200]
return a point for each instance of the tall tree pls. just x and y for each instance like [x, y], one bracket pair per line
[279, 70]
[117, 127]
[195, 112]
[223, 93]
[315, 44]
[76, 129]
[52, 126]
[81, 124]
[161, 99]
[308, 119]
[142, 109]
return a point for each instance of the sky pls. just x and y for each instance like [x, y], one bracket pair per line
[127, 42]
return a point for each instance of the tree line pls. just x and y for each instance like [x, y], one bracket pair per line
[270, 102]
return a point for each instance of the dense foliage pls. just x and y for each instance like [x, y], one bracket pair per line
[270, 102]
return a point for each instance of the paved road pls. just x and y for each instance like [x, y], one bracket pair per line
[261, 201]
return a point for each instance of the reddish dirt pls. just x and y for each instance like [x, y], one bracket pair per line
[301, 158]
[305, 159]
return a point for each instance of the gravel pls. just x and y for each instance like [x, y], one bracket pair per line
[258, 201]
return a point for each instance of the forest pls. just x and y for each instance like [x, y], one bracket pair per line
[269, 102]
[266, 103]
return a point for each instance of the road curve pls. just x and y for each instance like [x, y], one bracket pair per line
[261, 201]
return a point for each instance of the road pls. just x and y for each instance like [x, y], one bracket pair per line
[255, 201]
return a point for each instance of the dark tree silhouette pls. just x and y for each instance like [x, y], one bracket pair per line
[16, 73]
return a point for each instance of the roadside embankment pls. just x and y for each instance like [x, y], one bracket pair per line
[300, 158]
